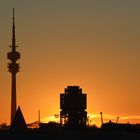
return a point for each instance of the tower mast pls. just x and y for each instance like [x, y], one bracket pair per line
[13, 67]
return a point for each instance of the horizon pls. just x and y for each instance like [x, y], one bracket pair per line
[95, 119]
[92, 44]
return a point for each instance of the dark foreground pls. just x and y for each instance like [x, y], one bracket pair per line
[69, 135]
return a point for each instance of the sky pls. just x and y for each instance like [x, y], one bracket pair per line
[93, 44]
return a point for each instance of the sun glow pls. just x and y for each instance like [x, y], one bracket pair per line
[95, 119]
[53, 118]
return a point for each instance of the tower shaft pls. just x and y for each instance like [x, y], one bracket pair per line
[13, 97]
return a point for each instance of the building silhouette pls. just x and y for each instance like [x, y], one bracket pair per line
[73, 107]
[13, 67]
[18, 122]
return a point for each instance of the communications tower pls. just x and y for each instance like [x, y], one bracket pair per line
[13, 67]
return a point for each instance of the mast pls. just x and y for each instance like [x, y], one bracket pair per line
[13, 67]
[101, 118]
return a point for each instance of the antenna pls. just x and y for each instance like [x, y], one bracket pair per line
[101, 117]
[39, 116]
[117, 119]
[13, 16]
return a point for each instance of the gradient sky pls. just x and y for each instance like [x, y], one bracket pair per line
[91, 43]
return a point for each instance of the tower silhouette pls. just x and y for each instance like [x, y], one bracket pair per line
[13, 67]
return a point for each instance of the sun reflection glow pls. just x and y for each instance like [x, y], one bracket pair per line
[95, 119]
[53, 118]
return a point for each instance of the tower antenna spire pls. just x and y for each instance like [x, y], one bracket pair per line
[13, 67]
[13, 16]
[13, 33]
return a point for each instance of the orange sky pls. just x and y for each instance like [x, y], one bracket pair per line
[93, 44]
